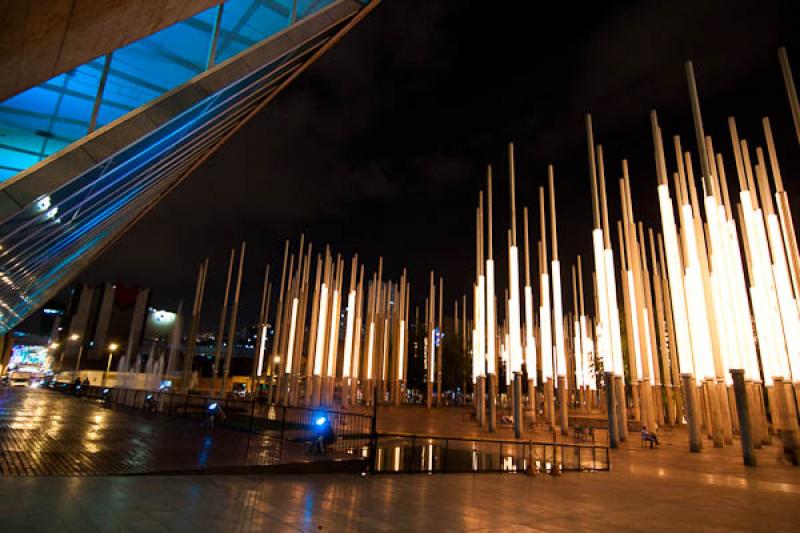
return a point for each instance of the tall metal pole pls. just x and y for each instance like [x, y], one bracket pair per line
[791, 90]
[221, 330]
[232, 330]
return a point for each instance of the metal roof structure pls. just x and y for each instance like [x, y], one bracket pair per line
[88, 153]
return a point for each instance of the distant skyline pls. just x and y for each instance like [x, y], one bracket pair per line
[380, 148]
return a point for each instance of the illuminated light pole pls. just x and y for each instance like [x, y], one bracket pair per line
[790, 365]
[545, 321]
[319, 351]
[261, 340]
[763, 294]
[368, 355]
[662, 332]
[722, 430]
[702, 323]
[587, 351]
[621, 414]
[301, 292]
[53, 347]
[111, 349]
[514, 333]
[611, 287]
[400, 312]
[357, 342]
[723, 291]
[639, 315]
[288, 370]
[283, 378]
[787, 227]
[670, 328]
[649, 317]
[676, 286]
[603, 327]
[75, 338]
[278, 330]
[440, 336]
[333, 339]
[530, 340]
[431, 337]
[491, 319]
[479, 332]
[577, 344]
[348, 332]
[558, 314]
[312, 334]
[631, 328]
[758, 277]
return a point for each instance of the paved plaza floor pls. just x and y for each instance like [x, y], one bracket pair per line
[44, 433]
[665, 489]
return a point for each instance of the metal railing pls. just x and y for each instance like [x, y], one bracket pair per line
[357, 438]
[289, 423]
[403, 453]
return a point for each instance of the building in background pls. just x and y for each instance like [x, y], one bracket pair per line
[98, 317]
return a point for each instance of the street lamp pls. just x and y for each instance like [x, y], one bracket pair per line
[52, 349]
[111, 349]
[74, 338]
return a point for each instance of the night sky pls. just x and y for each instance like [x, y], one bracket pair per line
[380, 148]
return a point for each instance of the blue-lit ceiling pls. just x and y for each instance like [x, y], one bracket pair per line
[42, 120]
[51, 238]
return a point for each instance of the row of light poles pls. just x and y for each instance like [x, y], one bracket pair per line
[112, 347]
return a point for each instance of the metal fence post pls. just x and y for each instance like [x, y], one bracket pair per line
[252, 413]
[374, 431]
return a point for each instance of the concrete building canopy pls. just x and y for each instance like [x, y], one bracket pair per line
[86, 154]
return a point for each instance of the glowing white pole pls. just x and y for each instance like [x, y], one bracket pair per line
[292, 332]
[769, 342]
[261, 349]
[401, 344]
[676, 282]
[491, 332]
[370, 348]
[637, 349]
[348, 334]
[530, 341]
[558, 320]
[515, 347]
[603, 337]
[578, 353]
[479, 356]
[544, 328]
[321, 328]
[333, 340]
[615, 333]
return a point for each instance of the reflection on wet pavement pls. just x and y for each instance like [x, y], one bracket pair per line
[47, 434]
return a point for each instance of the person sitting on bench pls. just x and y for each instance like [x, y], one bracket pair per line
[649, 437]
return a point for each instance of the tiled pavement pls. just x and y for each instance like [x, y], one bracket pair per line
[667, 489]
[43, 433]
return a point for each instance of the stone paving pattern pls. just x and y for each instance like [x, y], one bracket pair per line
[664, 489]
[44, 433]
